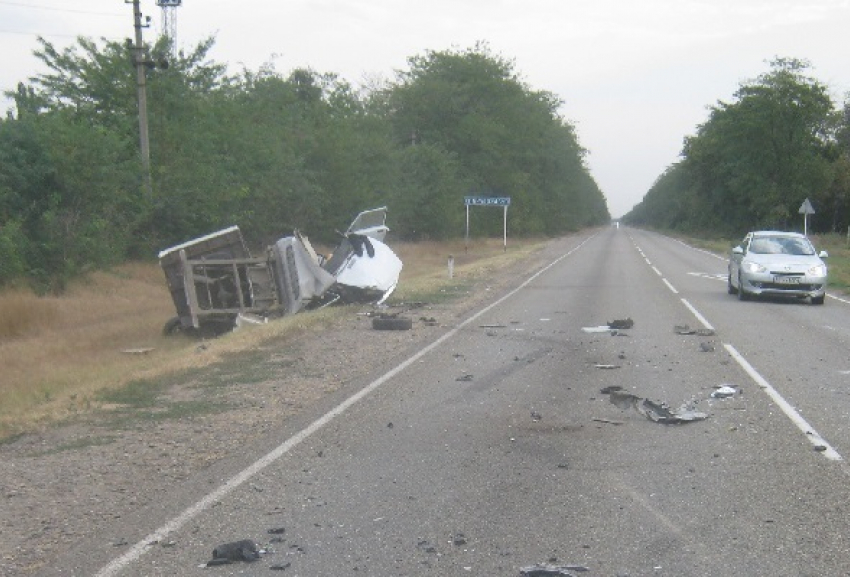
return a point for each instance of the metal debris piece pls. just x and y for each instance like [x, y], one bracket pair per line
[535, 416]
[245, 550]
[466, 377]
[604, 366]
[621, 323]
[706, 347]
[705, 332]
[683, 330]
[655, 412]
[606, 421]
[545, 570]
[723, 392]
[139, 351]
[610, 389]
[600, 329]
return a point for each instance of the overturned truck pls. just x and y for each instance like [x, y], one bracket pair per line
[215, 283]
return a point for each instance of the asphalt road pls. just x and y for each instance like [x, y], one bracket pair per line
[494, 449]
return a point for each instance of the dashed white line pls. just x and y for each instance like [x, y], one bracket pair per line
[697, 314]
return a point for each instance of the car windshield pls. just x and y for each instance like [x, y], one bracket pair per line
[782, 245]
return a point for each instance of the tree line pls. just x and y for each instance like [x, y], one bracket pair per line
[755, 160]
[271, 152]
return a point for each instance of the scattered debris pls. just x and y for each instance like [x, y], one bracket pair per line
[245, 550]
[603, 366]
[281, 567]
[607, 421]
[492, 326]
[465, 377]
[277, 530]
[391, 322]
[621, 323]
[140, 351]
[723, 392]
[425, 546]
[706, 347]
[429, 321]
[683, 330]
[610, 389]
[545, 570]
[535, 416]
[655, 412]
[459, 540]
[600, 329]
[687, 330]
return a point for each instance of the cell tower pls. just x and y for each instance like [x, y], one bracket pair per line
[169, 20]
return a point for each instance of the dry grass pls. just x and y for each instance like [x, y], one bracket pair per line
[58, 353]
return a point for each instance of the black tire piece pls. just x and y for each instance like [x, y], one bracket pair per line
[817, 300]
[171, 327]
[392, 323]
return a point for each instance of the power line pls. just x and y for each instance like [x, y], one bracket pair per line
[37, 7]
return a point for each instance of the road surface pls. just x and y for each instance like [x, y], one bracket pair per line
[494, 448]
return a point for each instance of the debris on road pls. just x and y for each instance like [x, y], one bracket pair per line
[391, 322]
[545, 570]
[687, 330]
[245, 550]
[655, 412]
[706, 347]
[604, 366]
[626, 323]
[465, 377]
[724, 392]
[535, 416]
[600, 329]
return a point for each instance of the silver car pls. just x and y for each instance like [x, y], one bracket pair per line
[777, 264]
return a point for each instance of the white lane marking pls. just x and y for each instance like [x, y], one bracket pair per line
[697, 314]
[814, 438]
[658, 272]
[712, 276]
[670, 286]
[143, 546]
[845, 301]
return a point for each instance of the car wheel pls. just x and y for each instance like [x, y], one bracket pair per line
[742, 294]
[817, 300]
[729, 288]
[172, 327]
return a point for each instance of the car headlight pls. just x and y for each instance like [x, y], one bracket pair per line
[817, 270]
[754, 267]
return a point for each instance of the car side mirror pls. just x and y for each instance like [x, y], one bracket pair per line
[823, 254]
[738, 250]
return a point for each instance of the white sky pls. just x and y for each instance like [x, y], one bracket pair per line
[636, 76]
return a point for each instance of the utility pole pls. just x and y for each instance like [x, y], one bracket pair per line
[141, 89]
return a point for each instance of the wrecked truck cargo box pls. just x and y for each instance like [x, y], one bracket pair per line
[213, 278]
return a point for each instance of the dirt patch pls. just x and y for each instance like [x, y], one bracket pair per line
[79, 479]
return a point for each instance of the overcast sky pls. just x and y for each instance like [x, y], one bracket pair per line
[636, 76]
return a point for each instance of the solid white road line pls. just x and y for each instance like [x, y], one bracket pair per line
[143, 546]
[814, 438]
[697, 314]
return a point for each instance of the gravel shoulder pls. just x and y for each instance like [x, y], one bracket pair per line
[85, 478]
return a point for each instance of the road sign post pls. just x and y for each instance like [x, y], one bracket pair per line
[503, 201]
[806, 209]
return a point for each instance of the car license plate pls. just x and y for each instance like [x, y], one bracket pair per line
[787, 279]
